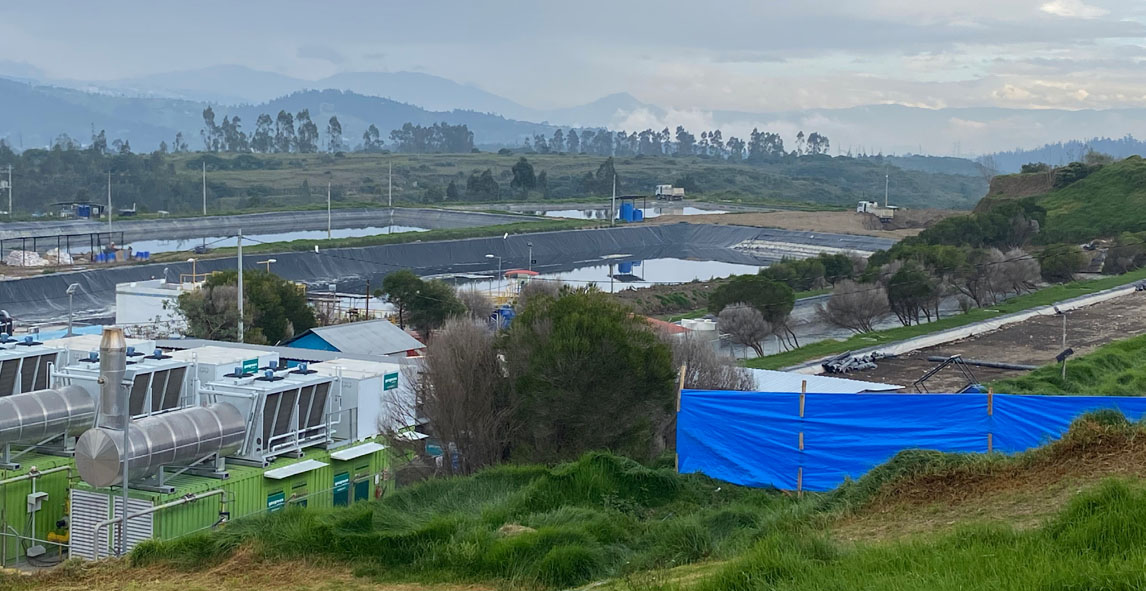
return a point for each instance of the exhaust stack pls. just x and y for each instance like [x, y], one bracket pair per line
[113, 412]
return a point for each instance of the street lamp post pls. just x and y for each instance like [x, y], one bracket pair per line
[494, 256]
[71, 291]
[268, 263]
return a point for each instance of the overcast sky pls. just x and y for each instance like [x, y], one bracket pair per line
[740, 54]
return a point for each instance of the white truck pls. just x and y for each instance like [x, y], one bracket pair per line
[669, 193]
[885, 213]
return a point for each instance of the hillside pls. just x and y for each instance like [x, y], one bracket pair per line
[1050, 518]
[1107, 202]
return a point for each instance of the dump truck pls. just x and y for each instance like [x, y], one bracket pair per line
[669, 193]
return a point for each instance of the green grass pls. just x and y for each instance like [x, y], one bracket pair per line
[599, 517]
[1106, 203]
[1097, 542]
[402, 237]
[1116, 369]
[1042, 297]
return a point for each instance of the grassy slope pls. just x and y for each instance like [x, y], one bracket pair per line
[363, 177]
[602, 516]
[1117, 369]
[1042, 297]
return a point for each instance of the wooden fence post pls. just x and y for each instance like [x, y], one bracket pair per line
[990, 413]
[800, 469]
[679, 392]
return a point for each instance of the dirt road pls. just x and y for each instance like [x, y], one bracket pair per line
[1034, 342]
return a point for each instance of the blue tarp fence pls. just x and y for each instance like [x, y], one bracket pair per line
[753, 438]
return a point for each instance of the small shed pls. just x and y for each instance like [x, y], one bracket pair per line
[369, 337]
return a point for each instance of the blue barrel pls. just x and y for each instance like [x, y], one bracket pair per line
[625, 268]
[638, 215]
[626, 212]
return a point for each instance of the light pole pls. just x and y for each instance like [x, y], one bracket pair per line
[267, 263]
[530, 245]
[494, 256]
[71, 291]
[1065, 352]
[192, 261]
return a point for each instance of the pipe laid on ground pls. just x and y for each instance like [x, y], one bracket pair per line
[991, 364]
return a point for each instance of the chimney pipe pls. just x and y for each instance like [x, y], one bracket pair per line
[113, 413]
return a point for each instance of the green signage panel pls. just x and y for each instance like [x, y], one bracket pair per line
[275, 502]
[250, 365]
[390, 381]
[341, 482]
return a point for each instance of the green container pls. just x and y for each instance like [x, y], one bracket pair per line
[14, 516]
[248, 491]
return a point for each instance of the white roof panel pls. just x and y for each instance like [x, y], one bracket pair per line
[296, 468]
[357, 451]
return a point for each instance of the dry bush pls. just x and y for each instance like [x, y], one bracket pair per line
[855, 306]
[461, 394]
[744, 325]
[478, 306]
[538, 287]
[705, 368]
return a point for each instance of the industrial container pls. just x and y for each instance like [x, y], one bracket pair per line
[157, 383]
[374, 397]
[24, 365]
[317, 479]
[82, 346]
[216, 363]
[33, 503]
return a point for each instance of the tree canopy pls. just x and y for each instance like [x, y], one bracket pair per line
[274, 308]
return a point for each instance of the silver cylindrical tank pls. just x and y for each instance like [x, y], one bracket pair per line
[112, 366]
[176, 437]
[34, 416]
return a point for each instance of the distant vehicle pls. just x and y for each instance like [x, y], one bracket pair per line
[885, 213]
[1140, 286]
[669, 193]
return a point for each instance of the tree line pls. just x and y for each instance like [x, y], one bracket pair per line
[758, 146]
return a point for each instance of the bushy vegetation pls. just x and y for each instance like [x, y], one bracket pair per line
[1117, 369]
[1110, 200]
[1097, 542]
[274, 308]
[556, 527]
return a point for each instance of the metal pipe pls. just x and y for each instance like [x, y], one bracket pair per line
[34, 416]
[124, 517]
[112, 367]
[34, 475]
[162, 440]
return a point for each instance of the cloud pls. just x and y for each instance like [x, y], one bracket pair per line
[1073, 9]
[321, 53]
[966, 123]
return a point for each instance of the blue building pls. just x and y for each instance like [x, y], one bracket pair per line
[369, 337]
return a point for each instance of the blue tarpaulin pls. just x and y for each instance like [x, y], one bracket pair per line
[752, 438]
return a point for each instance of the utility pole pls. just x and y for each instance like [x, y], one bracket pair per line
[10, 212]
[613, 205]
[1064, 347]
[390, 191]
[368, 299]
[886, 185]
[328, 210]
[530, 244]
[204, 187]
[240, 285]
[109, 203]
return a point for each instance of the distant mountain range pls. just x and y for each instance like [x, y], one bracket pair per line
[151, 108]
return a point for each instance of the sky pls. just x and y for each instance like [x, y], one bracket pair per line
[729, 54]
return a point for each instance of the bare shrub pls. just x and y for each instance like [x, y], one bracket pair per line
[538, 287]
[478, 306]
[461, 394]
[744, 325]
[855, 306]
[705, 368]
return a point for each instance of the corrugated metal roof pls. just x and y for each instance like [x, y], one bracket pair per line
[768, 380]
[370, 337]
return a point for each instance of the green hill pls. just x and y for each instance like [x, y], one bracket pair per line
[1109, 200]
